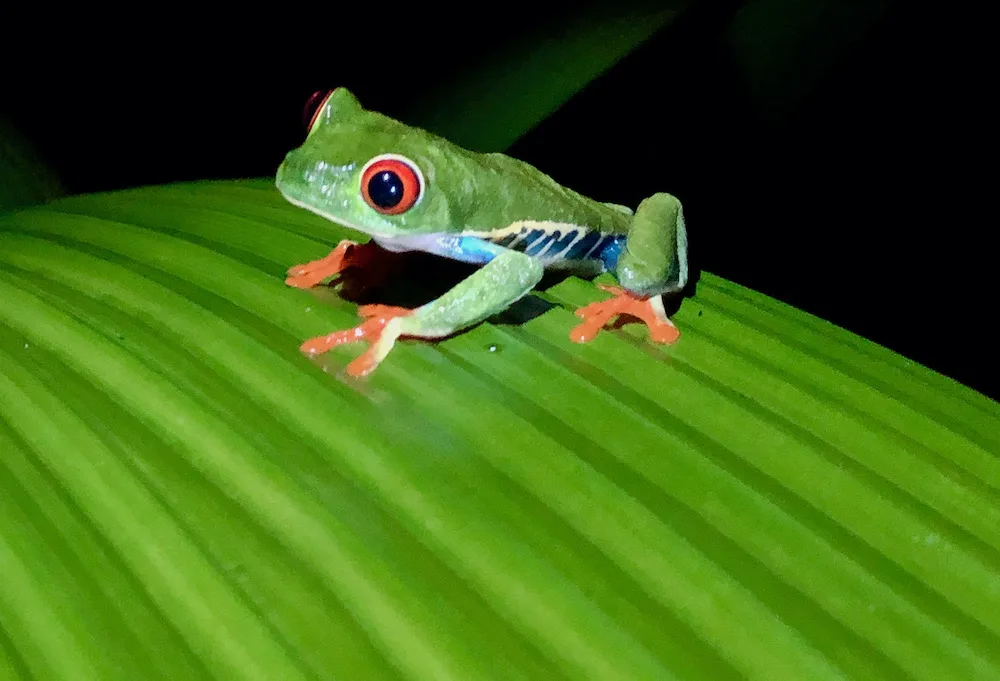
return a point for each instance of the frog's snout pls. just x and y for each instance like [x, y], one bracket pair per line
[279, 175]
[295, 174]
[286, 170]
[318, 181]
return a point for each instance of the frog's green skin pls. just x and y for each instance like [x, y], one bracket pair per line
[488, 209]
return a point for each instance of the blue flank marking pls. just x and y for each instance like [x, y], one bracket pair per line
[604, 247]
[472, 249]
[561, 244]
[610, 250]
[504, 242]
[536, 248]
[583, 246]
[534, 241]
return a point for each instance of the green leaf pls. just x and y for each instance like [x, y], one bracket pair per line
[183, 495]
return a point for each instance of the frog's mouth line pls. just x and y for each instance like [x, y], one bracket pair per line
[340, 221]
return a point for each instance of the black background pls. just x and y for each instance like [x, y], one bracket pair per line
[866, 203]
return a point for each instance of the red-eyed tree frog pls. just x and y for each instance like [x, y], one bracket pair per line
[411, 190]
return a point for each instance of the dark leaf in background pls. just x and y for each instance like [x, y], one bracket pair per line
[24, 178]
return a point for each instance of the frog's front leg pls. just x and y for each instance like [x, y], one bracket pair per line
[652, 262]
[507, 277]
[346, 254]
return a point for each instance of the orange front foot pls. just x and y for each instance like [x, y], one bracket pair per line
[650, 310]
[373, 329]
[346, 254]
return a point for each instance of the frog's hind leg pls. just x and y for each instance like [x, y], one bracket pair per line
[652, 263]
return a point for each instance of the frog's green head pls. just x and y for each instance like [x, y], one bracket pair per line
[367, 171]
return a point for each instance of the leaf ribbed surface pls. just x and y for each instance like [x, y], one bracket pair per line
[183, 495]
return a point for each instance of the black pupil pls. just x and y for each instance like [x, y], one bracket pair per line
[385, 189]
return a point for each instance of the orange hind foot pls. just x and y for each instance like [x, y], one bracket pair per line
[647, 309]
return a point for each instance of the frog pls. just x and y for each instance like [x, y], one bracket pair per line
[408, 189]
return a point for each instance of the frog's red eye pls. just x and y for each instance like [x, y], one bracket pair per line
[314, 107]
[391, 184]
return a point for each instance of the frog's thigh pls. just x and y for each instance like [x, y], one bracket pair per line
[654, 259]
[506, 278]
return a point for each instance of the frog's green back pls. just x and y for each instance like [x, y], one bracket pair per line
[462, 190]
